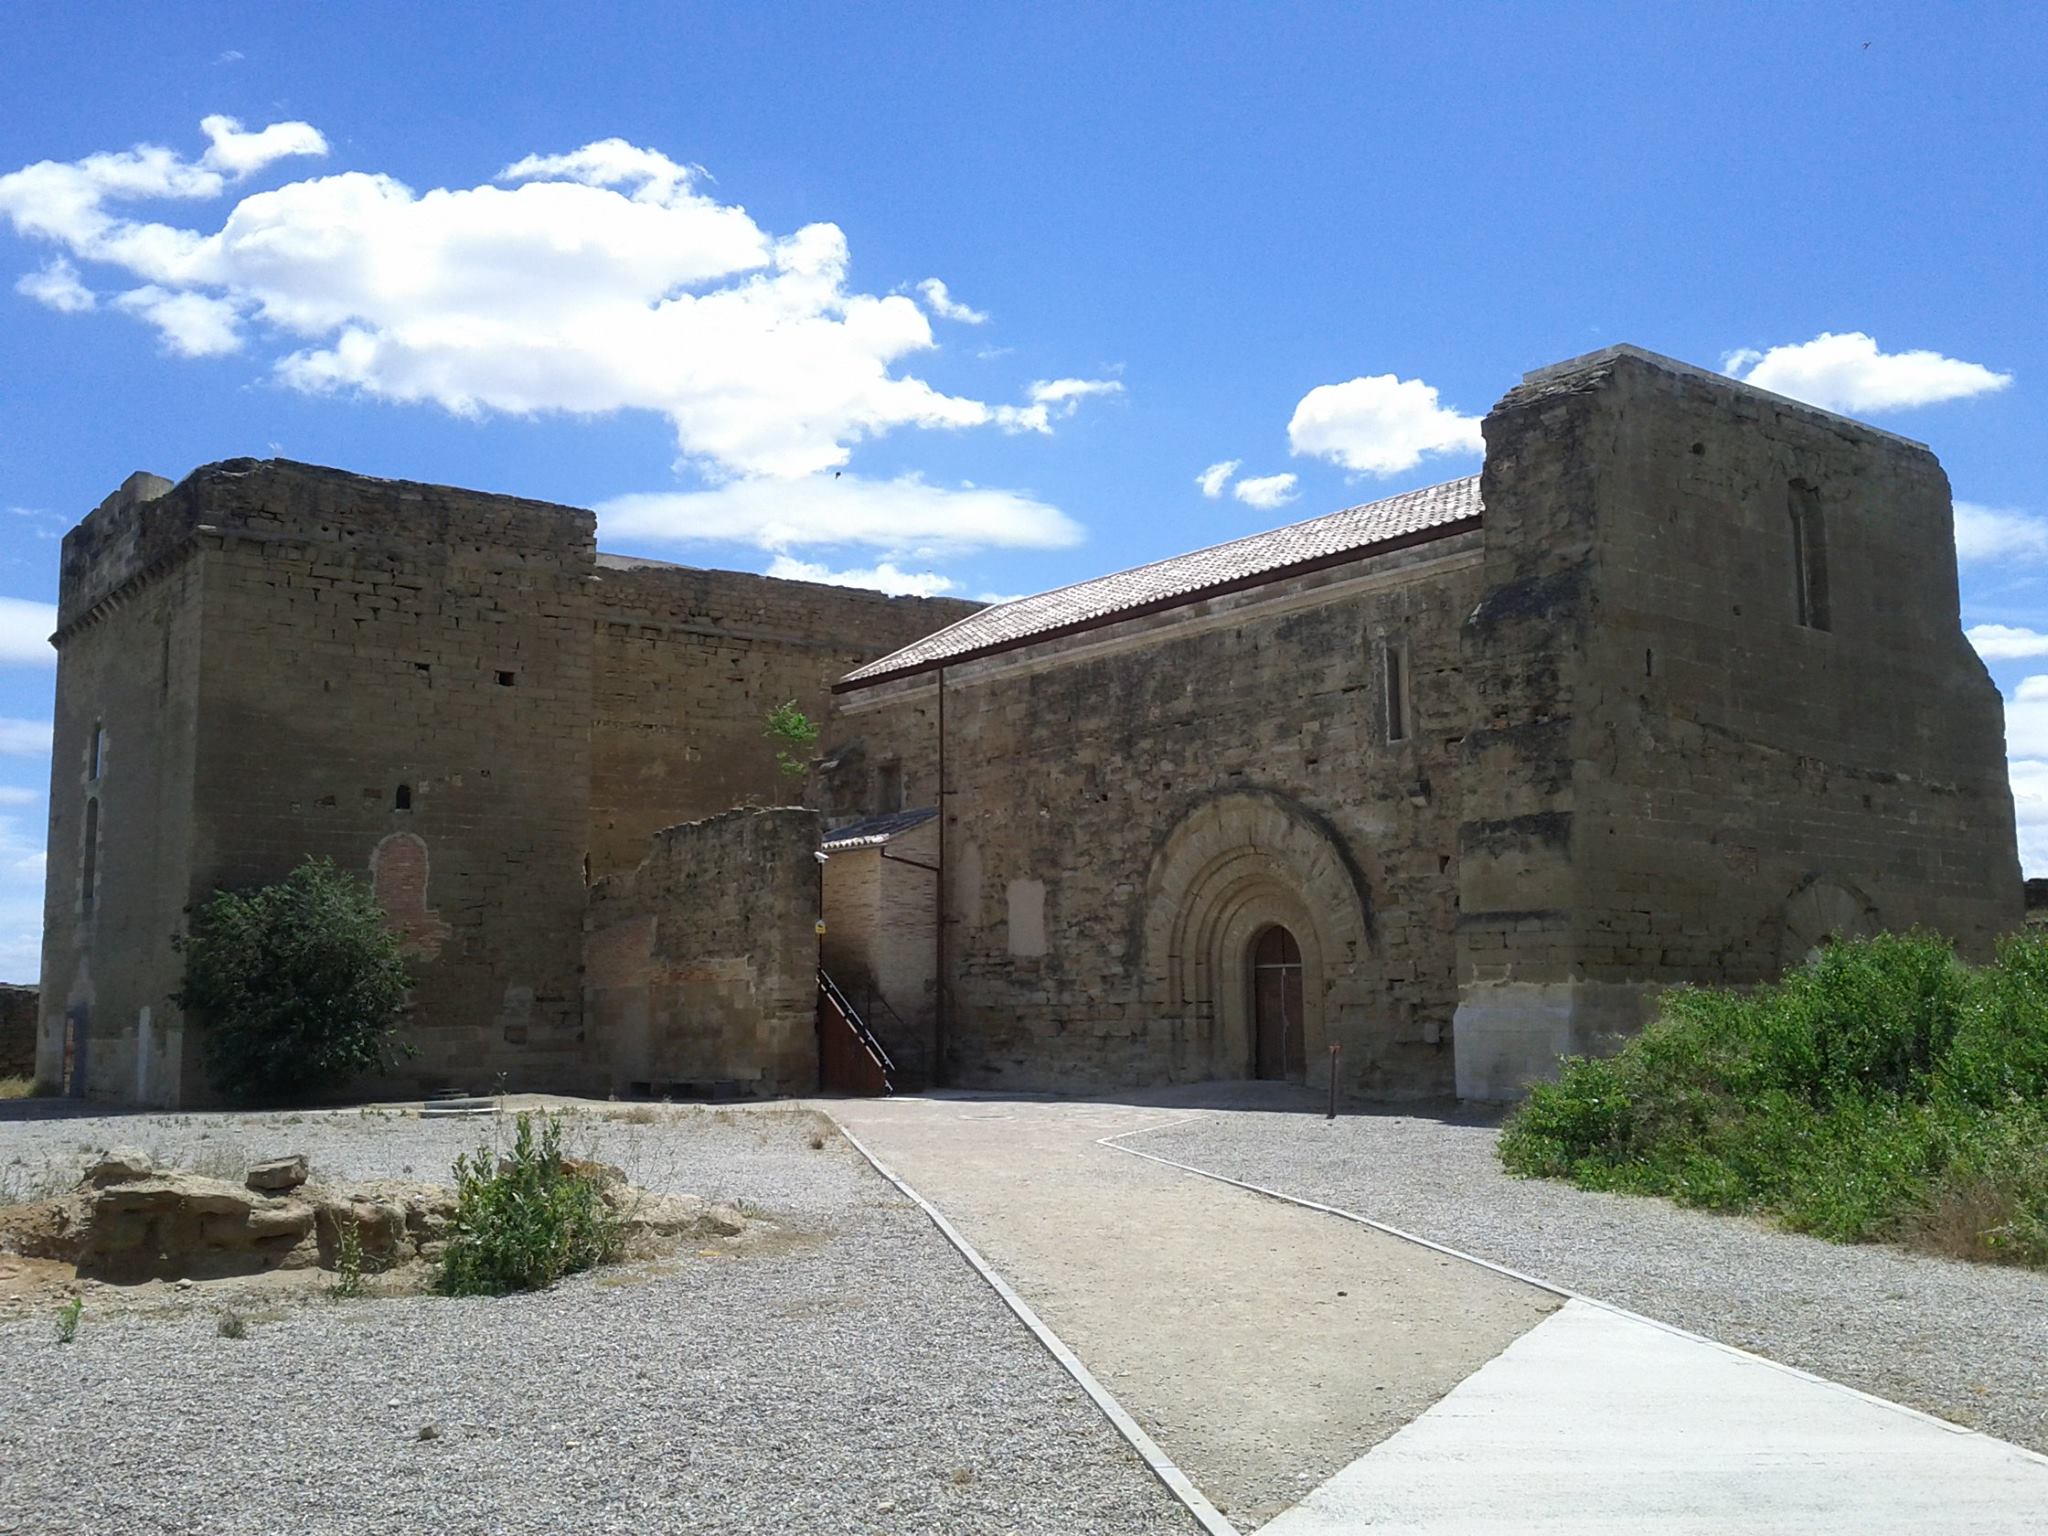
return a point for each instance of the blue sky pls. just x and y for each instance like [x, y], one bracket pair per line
[678, 263]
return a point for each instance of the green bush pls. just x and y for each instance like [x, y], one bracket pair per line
[299, 984]
[1886, 1091]
[524, 1221]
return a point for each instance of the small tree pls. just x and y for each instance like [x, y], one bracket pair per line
[793, 729]
[299, 984]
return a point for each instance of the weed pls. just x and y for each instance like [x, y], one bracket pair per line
[232, 1325]
[639, 1114]
[817, 1141]
[1884, 1092]
[348, 1259]
[524, 1221]
[17, 1087]
[67, 1319]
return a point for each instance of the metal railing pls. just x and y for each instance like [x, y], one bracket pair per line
[829, 990]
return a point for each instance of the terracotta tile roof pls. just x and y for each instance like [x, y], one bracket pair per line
[1412, 517]
[876, 830]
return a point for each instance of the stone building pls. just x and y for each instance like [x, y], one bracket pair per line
[1674, 689]
[1457, 781]
[450, 692]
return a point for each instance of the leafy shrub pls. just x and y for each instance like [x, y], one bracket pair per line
[299, 984]
[1885, 1091]
[524, 1221]
[790, 727]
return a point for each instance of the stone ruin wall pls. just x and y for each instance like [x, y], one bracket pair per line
[18, 1010]
[688, 664]
[1071, 767]
[701, 962]
[1684, 783]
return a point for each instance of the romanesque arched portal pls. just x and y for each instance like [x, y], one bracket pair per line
[1236, 869]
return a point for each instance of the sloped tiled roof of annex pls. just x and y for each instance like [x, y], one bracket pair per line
[1412, 517]
[876, 830]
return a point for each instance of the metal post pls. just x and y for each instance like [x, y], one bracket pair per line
[1336, 1051]
[941, 1023]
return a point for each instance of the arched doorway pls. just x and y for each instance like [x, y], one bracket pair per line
[1234, 868]
[1279, 1042]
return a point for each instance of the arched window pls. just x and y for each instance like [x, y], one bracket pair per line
[402, 801]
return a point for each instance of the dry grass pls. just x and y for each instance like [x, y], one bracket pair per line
[17, 1088]
[1971, 1216]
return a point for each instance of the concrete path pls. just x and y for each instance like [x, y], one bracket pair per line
[1287, 1357]
[1597, 1422]
[1262, 1347]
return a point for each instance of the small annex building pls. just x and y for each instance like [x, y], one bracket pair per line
[1455, 782]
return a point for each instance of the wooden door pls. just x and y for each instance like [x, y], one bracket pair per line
[1279, 1048]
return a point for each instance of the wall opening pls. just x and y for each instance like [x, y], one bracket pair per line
[1809, 556]
[1394, 677]
[888, 789]
[98, 757]
[1279, 1040]
[89, 866]
[402, 801]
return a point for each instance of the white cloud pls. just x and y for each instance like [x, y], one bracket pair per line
[25, 627]
[1216, 476]
[1380, 425]
[1052, 400]
[1847, 372]
[24, 738]
[191, 324]
[12, 794]
[946, 307]
[241, 154]
[1266, 491]
[2030, 811]
[2026, 718]
[21, 901]
[905, 513]
[56, 285]
[882, 577]
[1991, 533]
[2005, 642]
[599, 280]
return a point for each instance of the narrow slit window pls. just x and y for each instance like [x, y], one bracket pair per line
[1394, 673]
[1809, 556]
[89, 867]
[99, 751]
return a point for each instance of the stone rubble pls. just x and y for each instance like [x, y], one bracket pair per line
[129, 1221]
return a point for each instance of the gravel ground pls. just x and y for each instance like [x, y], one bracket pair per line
[1968, 1342]
[862, 1380]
